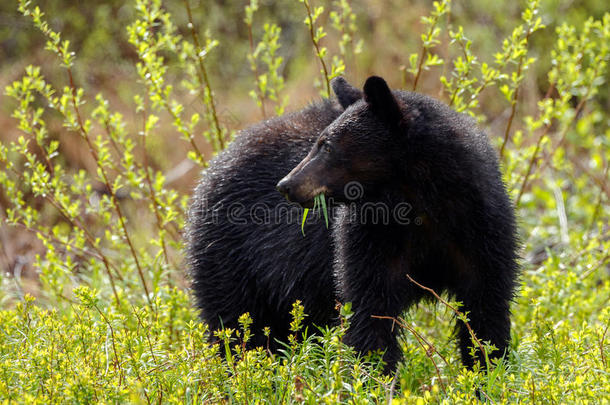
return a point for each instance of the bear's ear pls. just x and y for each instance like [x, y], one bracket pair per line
[345, 92]
[379, 97]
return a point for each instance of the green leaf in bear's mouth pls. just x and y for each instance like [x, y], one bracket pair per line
[318, 201]
[322, 200]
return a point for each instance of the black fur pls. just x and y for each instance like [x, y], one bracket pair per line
[402, 149]
[260, 265]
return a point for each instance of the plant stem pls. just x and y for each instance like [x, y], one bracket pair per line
[455, 311]
[203, 78]
[115, 201]
[419, 67]
[254, 66]
[317, 46]
[515, 96]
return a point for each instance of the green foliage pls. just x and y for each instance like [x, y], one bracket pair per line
[337, 66]
[426, 59]
[514, 53]
[344, 21]
[319, 201]
[98, 353]
[270, 84]
[112, 321]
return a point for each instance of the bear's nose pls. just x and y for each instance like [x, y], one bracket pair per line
[283, 187]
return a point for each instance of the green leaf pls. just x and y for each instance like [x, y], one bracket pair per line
[324, 210]
[305, 212]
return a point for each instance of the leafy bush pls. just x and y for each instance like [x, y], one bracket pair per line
[113, 321]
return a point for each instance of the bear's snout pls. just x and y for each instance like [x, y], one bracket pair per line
[284, 187]
[296, 190]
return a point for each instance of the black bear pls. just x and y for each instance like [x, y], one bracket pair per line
[418, 194]
[429, 203]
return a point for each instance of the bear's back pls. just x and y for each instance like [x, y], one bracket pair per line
[245, 236]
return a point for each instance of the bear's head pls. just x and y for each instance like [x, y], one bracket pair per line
[354, 151]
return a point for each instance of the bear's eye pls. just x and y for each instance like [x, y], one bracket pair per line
[326, 147]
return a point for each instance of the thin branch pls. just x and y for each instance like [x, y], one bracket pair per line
[254, 66]
[428, 351]
[203, 77]
[115, 201]
[152, 194]
[75, 223]
[317, 46]
[564, 133]
[515, 97]
[424, 52]
[530, 165]
[456, 312]
[601, 346]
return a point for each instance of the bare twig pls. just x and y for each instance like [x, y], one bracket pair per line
[456, 312]
[392, 387]
[428, 351]
[111, 191]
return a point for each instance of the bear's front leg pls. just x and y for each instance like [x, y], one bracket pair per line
[367, 271]
[367, 333]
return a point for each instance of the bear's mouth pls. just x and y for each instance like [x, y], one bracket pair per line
[307, 204]
[319, 202]
[319, 192]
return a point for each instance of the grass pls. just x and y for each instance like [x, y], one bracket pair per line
[319, 201]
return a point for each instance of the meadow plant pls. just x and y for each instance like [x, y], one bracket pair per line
[268, 84]
[430, 38]
[316, 33]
